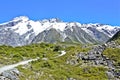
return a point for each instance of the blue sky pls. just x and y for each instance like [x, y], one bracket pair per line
[83, 11]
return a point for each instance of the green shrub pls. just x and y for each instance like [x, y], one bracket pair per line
[113, 54]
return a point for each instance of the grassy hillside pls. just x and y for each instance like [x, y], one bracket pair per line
[48, 67]
[113, 54]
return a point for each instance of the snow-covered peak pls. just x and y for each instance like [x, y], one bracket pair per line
[22, 18]
[55, 20]
[23, 25]
[52, 20]
[91, 25]
[106, 29]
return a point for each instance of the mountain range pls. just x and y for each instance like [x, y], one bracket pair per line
[23, 31]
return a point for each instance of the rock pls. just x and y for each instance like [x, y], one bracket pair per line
[10, 75]
[91, 57]
[3, 78]
[71, 79]
[110, 75]
[80, 55]
[110, 64]
[45, 59]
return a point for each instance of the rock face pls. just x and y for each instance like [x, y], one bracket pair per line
[53, 35]
[97, 57]
[115, 37]
[10, 75]
[50, 36]
[23, 31]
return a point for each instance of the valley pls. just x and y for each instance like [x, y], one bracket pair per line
[58, 50]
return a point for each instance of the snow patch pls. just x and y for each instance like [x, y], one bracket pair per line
[60, 26]
[23, 18]
[21, 28]
[62, 53]
[37, 27]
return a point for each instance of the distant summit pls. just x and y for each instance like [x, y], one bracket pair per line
[22, 18]
[23, 31]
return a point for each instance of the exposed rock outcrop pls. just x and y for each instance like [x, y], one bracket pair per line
[12, 74]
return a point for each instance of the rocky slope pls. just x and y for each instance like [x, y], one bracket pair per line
[23, 31]
[115, 37]
[94, 62]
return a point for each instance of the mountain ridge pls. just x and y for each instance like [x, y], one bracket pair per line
[116, 36]
[23, 31]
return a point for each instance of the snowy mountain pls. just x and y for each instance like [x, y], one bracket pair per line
[23, 31]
